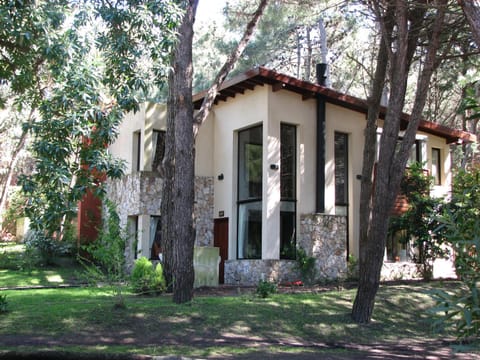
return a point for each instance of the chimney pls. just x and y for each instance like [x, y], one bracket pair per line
[321, 74]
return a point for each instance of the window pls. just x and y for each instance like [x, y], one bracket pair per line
[158, 149]
[132, 226]
[155, 237]
[415, 153]
[436, 166]
[288, 180]
[250, 152]
[137, 150]
[341, 169]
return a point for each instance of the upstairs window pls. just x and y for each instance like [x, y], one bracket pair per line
[436, 167]
[136, 151]
[158, 149]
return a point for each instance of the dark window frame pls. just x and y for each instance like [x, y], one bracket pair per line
[288, 196]
[244, 201]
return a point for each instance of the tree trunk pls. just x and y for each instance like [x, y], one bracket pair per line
[168, 173]
[471, 9]
[178, 232]
[10, 169]
[370, 147]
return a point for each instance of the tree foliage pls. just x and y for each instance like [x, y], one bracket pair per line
[461, 227]
[79, 67]
[419, 222]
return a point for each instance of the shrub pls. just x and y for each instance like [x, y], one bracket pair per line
[147, 279]
[265, 289]
[108, 256]
[461, 227]
[306, 266]
[419, 221]
[352, 268]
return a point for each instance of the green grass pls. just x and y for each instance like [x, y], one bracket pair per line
[85, 319]
[210, 326]
[20, 269]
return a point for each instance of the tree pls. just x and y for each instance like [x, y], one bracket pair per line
[471, 9]
[178, 233]
[411, 23]
[78, 91]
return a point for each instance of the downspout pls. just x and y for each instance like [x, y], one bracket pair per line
[320, 166]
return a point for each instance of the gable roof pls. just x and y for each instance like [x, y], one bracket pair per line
[261, 76]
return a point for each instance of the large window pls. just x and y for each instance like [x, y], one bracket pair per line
[415, 153]
[288, 180]
[436, 168]
[155, 237]
[132, 226]
[136, 151]
[158, 147]
[341, 169]
[250, 150]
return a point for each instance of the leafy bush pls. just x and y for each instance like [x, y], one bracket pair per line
[3, 303]
[265, 289]
[108, 256]
[306, 266]
[352, 268]
[419, 221]
[147, 279]
[461, 227]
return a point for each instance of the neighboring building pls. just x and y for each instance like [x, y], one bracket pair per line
[277, 167]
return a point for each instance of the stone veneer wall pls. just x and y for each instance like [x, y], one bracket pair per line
[204, 197]
[250, 272]
[141, 194]
[135, 194]
[400, 271]
[321, 236]
[325, 237]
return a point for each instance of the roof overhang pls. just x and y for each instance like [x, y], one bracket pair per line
[261, 76]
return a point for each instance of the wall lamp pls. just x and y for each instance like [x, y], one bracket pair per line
[220, 177]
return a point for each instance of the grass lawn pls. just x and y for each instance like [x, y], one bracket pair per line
[303, 325]
[19, 269]
[85, 320]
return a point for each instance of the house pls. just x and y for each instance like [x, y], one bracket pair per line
[277, 167]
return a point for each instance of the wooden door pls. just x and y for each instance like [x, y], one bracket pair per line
[220, 240]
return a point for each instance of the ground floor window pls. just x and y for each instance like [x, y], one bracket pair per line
[155, 237]
[397, 246]
[250, 188]
[288, 191]
[132, 226]
[250, 230]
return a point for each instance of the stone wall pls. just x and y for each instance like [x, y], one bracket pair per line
[204, 198]
[321, 236]
[250, 272]
[325, 237]
[141, 194]
[400, 271]
[136, 194]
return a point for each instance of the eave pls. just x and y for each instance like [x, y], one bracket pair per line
[261, 76]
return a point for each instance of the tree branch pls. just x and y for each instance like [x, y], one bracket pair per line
[227, 67]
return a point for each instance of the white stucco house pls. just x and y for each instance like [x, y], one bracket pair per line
[277, 166]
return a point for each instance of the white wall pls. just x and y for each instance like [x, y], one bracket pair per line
[228, 117]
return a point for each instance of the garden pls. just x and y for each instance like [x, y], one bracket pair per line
[52, 311]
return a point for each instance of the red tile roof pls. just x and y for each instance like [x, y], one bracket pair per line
[261, 76]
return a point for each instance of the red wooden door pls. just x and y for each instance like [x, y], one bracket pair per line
[220, 240]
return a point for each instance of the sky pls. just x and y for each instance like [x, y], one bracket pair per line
[209, 9]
